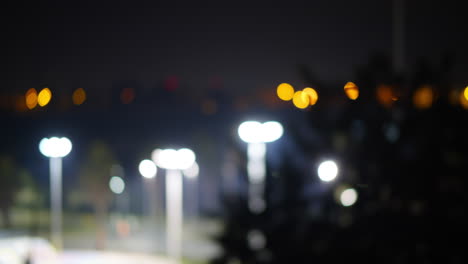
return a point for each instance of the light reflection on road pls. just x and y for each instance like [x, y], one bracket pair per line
[103, 257]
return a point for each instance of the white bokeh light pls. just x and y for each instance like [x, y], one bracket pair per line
[147, 169]
[174, 159]
[250, 131]
[256, 239]
[348, 197]
[327, 171]
[116, 184]
[256, 132]
[186, 158]
[271, 131]
[193, 171]
[55, 147]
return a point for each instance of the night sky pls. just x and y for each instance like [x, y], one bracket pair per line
[245, 45]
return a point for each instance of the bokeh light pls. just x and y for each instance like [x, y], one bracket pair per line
[193, 171]
[301, 99]
[348, 197]
[256, 239]
[127, 95]
[464, 98]
[313, 96]
[44, 97]
[147, 168]
[327, 171]
[272, 131]
[55, 147]
[385, 95]
[79, 96]
[351, 90]
[285, 91]
[116, 184]
[31, 98]
[209, 107]
[423, 97]
[255, 132]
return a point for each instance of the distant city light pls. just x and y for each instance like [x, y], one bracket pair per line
[147, 169]
[351, 90]
[348, 197]
[209, 107]
[327, 171]
[79, 96]
[301, 100]
[116, 184]
[385, 95]
[55, 147]
[31, 98]
[285, 91]
[127, 95]
[256, 239]
[423, 97]
[464, 98]
[193, 171]
[44, 97]
[313, 96]
[392, 132]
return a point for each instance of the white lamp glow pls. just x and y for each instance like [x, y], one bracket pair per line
[55, 147]
[327, 171]
[116, 184]
[193, 171]
[348, 197]
[147, 168]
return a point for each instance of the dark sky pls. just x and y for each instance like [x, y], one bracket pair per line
[248, 45]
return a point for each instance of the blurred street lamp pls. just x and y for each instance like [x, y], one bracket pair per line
[327, 170]
[174, 161]
[256, 135]
[149, 170]
[348, 197]
[117, 184]
[55, 149]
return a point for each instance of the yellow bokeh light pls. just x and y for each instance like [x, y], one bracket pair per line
[423, 97]
[301, 99]
[79, 96]
[44, 97]
[464, 98]
[313, 96]
[31, 98]
[351, 90]
[285, 91]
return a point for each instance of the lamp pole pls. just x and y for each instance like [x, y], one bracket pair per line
[55, 149]
[174, 161]
[256, 135]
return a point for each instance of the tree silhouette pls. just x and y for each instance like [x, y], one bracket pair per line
[9, 185]
[94, 178]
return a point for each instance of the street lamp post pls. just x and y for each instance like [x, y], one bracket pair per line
[256, 135]
[55, 149]
[174, 161]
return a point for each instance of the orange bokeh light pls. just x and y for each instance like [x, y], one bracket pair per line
[351, 90]
[313, 96]
[423, 97]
